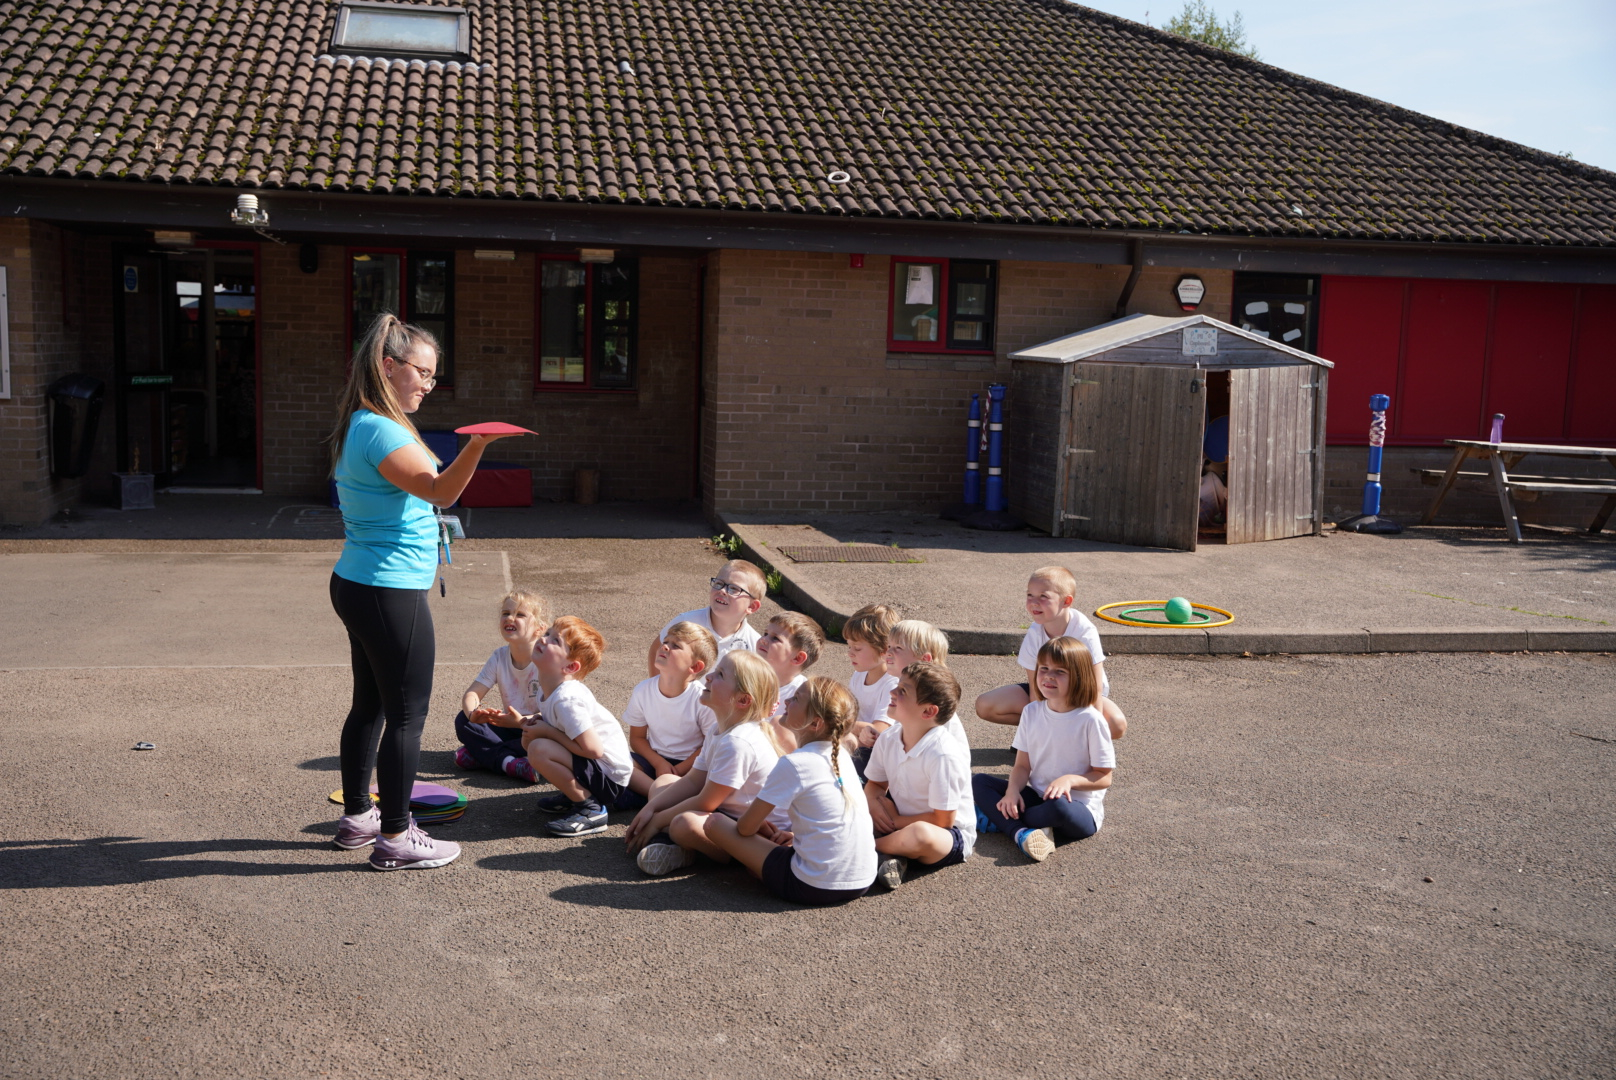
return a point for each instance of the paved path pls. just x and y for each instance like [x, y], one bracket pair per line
[1256, 905]
[1428, 589]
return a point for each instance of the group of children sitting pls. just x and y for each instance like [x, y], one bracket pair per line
[732, 751]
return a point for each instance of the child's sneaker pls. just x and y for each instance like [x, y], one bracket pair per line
[585, 820]
[662, 856]
[555, 804]
[889, 872]
[358, 830]
[464, 759]
[412, 849]
[520, 768]
[983, 825]
[1039, 844]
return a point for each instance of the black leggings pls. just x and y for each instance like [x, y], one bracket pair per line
[390, 635]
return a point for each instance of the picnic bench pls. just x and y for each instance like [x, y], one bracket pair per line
[1502, 457]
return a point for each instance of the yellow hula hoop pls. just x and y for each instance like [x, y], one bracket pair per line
[1100, 612]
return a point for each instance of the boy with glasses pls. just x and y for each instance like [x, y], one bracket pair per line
[737, 591]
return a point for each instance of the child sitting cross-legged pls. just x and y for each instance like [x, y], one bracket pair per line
[831, 855]
[736, 591]
[791, 645]
[667, 722]
[734, 761]
[574, 742]
[913, 642]
[918, 782]
[491, 738]
[866, 632]
[1064, 757]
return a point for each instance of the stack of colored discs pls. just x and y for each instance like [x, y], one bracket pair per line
[430, 804]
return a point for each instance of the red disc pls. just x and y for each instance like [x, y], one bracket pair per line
[494, 427]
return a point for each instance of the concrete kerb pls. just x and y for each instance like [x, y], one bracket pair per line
[977, 641]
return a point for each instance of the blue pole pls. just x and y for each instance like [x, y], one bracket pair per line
[996, 502]
[1378, 404]
[973, 453]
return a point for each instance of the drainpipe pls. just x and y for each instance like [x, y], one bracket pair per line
[1138, 252]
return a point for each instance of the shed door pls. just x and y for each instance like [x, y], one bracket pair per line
[1271, 452]
[1134, 461]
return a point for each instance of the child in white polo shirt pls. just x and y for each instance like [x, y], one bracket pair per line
[1064, 758]
[918, 781]
[866, 632]
[1050, 593]
[913, 642]
[790, 646]
[737, 591]
[665, 717]
[491, 738]
[575, 742]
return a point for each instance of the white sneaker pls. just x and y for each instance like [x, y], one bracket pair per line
[659, 859]
[1039, 844]
[412, 849]
[889, 873]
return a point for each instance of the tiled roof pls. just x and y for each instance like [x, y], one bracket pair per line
[1007, 111]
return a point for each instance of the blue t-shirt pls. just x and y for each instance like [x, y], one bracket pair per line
[391, 536]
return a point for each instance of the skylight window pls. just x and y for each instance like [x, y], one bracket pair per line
[372, 28]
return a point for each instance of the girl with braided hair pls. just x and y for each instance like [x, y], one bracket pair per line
[828, 857]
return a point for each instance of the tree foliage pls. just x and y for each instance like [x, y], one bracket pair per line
[1198, 22]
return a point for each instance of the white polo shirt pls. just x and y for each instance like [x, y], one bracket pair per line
[744, 638]
[675, 727]
[833, 839]
[1079, 626]
[873, 699]
[934, 774]
[572, 710]
[518, 689]
[1061, 744]
[740, 758]
[787, 692]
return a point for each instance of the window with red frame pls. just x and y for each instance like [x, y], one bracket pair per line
[942, 305]
[416, 286]
[588, 325]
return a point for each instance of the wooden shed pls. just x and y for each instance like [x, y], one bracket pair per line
[1108, 426]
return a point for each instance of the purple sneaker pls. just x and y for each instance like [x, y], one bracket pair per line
[520, 768]
[359, 830]
[412, 849]
[464, 759]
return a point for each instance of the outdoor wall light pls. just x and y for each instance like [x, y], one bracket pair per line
[247, 212]
[173, 237]
[494, 255]
[596, 255]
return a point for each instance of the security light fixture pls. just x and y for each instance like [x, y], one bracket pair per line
[596, 255]
[173, 237]
[409, 31]
[248, 213]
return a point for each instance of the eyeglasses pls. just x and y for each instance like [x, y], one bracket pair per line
[728, 587]
[428, 379]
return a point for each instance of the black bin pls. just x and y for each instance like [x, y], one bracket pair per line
[75, 408]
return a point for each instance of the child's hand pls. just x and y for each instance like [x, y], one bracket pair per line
[882, 810]
[637, 827]
[1060, 788]
[1010, 805]
[866, 733]
[485, 715]
[509, 718]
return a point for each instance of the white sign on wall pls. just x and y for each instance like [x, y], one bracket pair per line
[5, 337]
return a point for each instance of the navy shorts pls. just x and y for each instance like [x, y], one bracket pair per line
[782, 881]
[955, 856]
[613, 796]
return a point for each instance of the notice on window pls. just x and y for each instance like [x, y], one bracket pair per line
[920, 288]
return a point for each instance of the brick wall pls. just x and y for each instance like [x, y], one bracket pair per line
[642, 442]
[806, 410]
[49, 338]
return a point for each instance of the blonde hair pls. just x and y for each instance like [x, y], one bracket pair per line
[584, 643]
[935, 685]
[758, 586]
[871, 624]
[367, 386]
[828, 701]
[1070, 654]
[1058, 576]
[803, 633]
[531, 602]
[921, 638]
[754, 678]
[700, 640]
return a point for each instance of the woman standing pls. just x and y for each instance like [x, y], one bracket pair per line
[388, 484]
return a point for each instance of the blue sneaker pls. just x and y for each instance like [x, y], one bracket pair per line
[1037, 844]
[586, 820]
[983, 825]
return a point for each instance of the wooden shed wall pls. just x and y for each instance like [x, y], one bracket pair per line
[1035, 443]
[1271, 453]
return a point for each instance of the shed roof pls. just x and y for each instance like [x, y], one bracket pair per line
[1032, 112]
[1136, 328]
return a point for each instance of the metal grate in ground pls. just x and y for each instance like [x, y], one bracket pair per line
[836, 553]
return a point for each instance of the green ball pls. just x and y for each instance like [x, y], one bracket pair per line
[1178, 610]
